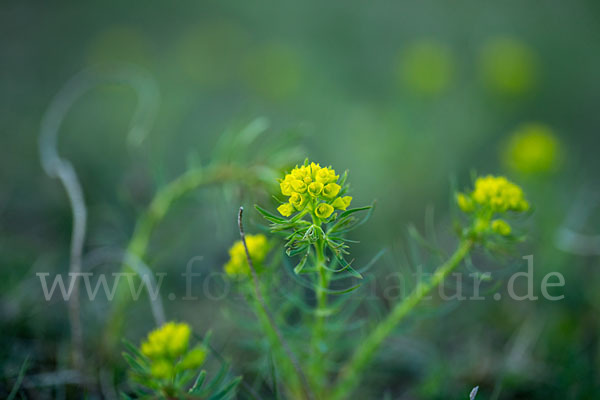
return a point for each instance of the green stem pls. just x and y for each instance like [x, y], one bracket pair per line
[292, 382]
[317, 340]
[319, 324]
[350, 374]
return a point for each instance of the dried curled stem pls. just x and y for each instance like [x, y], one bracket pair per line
[58, 167]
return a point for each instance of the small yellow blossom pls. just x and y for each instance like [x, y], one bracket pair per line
[501, 227]
[464, 202]
[323, 210]
[341, 203]
[298, 201]
[258, 247]
[169, 341]
[286, 209]
[298, 186]
[331, 190]
[533, 148]
[315, 189]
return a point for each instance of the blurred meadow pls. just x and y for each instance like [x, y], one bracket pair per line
[413, 98]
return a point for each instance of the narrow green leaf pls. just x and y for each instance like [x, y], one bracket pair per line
[269, 216]
[20, 376]
[197, 386]
[302, 262]
[228, 390]
[134, 363]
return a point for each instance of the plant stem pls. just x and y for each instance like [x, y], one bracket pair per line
[321, 307]
[269, 316]
[350, 374]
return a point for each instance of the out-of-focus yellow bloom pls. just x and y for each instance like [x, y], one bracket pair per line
[499, 194]
[169, 341]
[258, 247]
[508, 66]
[426, 67]
[314, 187]
[167, 349]
[501, 227]
[194, 358]
[532, 148]
[464, 202]
[162, 369]
[492, 195]
[323, 210]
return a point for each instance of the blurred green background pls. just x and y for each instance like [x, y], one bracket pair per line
[409, 97]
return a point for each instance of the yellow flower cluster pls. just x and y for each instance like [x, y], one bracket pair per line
[313, 186]
[492, 194]
[495, 193]
[258, 247]
[167, 349]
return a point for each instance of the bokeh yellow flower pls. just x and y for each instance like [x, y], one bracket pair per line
[501, 227]
[499, 194]
[167, 350]
[508, 66]
[426, 68]
[194, 358]
[492, 195]
[169, 341]
[532, 149]
[258, 247]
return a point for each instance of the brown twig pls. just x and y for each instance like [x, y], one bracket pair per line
[263, 304]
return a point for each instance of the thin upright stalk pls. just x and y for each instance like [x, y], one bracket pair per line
[320, 311]
[271, 320]
[350, 375]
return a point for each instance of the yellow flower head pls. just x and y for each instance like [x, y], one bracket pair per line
[169, 341]
[309, 185]
[499, 194]
[258, 247]
[494, 193]
[533, 148]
